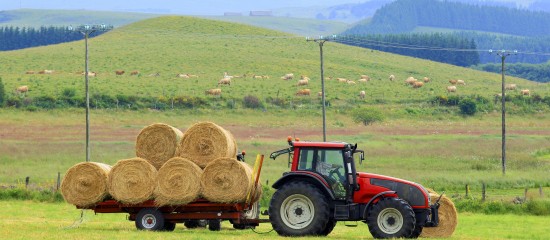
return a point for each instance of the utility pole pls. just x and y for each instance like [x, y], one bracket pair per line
[321, 41]
[503, 54]
[86, 30]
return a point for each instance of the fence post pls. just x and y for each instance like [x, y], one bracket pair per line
[483, 191]
[525, 194]
[58, 181]
[540, 191]
[27, 182]
[467, 190]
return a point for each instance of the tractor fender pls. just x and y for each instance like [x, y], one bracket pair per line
[377, 196]
[310, 177]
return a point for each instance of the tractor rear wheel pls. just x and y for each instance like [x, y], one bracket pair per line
[299, 209]
[391, 218]
[330, 226]
[150, 219]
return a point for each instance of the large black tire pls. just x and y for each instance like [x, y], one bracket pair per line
[330, 226]
[214, 225]
[416, 232]
[391, 218]
[150, 219]
[299, 209]
[169, 226]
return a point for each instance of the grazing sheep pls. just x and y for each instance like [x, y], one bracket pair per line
[362, 94]
[46, 72]
[223, 81]
[181, 75]
[366, 77]
[135, 72]
[363, 80]
[303, 92]
[154, 75]
[342, 80]
[451, 89]
[119, 72]
[417, 84]
[213, 92]
[510, 86]
[319, 94]
[90, 74]
[392, 77]
[288, 76]
[410, 80]
[350, 82]
[303, 82]
[460, 82]
[22, 89]
[453, 81]
[29, 72]
[525, 92]
[426, 79]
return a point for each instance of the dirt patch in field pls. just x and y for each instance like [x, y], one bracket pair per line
[63, 133]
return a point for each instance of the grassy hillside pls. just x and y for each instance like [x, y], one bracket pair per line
[207, 48]
[41, 17]
[298, 26]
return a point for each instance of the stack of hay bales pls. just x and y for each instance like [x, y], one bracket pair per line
[171, 167]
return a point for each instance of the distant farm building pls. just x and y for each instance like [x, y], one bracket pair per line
[260, 13]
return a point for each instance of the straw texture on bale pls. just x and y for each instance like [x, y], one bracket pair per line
[227, 180]
[206, 141]
[132, 180]
[178, 182]
[85, 184]
[448, 219]
[157, 143]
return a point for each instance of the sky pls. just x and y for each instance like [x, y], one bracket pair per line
[191, 7]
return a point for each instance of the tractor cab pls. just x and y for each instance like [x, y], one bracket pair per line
[331, 163]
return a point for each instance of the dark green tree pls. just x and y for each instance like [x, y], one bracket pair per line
[367, 116]
[467, 106]
[2, 93]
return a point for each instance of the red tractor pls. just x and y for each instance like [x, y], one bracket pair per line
[323, 187]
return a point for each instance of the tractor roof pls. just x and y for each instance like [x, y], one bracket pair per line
[320, 144]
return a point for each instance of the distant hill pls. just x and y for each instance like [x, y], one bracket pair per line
[37, 18]
[405, 15]
[163, 47]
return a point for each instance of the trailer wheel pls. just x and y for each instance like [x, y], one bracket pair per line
[214, 225]
[330, 226]
[150, 219]
[299, 209]
[391, 218]
[169, 226]
[191, 223]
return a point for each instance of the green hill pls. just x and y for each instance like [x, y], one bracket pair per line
[207, 48]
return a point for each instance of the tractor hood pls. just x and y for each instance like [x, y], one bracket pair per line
[412, 192]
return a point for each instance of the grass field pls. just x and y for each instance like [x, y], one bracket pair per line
[29, 220]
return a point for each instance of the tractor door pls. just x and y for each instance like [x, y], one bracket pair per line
[329, 163]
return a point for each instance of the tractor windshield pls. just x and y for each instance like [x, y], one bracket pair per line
[329, 164]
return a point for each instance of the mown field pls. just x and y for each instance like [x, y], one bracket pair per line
[29, 220]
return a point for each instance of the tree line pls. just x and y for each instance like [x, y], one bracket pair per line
[441, 47]
[405, 15]
[13, 38]
[533, 72]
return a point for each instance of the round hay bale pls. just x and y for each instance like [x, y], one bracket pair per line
[227, 180]
[448, 219]
[132, 180]
[157, 143]
[178, 182]
[206, 141]
[85, 184]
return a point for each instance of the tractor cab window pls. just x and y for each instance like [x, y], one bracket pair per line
[329, 164]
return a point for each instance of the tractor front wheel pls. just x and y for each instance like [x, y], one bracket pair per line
[299, 209]
[391, 218]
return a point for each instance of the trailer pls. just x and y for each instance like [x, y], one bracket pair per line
[149, 216]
